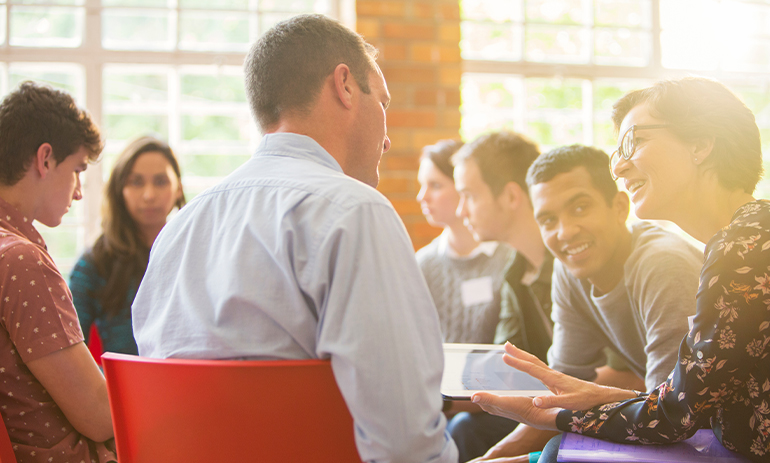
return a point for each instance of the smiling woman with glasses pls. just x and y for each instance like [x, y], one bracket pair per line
[699, 173]
[628, 143]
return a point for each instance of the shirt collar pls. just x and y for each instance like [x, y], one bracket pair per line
[13, 220]
[296, 146]
[443, 248]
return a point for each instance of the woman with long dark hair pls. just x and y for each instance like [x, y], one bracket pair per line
[144, 187]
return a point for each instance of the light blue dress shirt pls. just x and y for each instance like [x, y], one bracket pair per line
[289, 258]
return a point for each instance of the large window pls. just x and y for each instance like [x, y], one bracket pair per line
[553, 68]
[166, 67]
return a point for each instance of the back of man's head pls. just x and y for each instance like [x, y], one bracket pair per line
[285, 69]
[565, 159]
[34, 114]
[501, 157]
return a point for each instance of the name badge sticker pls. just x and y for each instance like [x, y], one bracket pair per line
[476, 291]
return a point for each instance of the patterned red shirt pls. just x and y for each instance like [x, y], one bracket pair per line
[37, 318]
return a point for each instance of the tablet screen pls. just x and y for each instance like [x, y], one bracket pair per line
[479, 367]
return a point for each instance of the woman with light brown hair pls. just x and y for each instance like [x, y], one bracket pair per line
[144, 187]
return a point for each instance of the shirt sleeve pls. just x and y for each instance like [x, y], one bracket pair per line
[380, 328]
[573, 328]
[36, 305]
[664, 289]
[83, 283]
[719, 356]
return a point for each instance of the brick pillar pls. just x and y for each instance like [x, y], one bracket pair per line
[419, 43]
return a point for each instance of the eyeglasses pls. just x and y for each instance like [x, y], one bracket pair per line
[627, 146]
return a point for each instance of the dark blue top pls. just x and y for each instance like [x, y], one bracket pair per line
[116, 331]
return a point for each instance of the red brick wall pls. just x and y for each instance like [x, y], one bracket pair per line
[419, 43]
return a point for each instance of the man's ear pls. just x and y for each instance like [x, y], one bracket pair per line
[621, 204]
[513, 195]
[343, 84]
[702, 149]
[44, 161]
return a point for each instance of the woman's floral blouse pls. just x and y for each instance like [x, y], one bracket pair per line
[722, 379]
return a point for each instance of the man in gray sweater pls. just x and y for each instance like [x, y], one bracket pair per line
[628, 289]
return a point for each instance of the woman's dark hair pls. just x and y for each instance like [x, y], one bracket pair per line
[702, 108]
[120, 254]
[440, 154]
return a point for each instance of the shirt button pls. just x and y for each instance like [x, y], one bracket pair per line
[700, 355]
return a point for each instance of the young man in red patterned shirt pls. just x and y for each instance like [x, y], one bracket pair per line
[53, 398]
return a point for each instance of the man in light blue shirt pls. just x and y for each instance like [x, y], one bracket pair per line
[295, 255]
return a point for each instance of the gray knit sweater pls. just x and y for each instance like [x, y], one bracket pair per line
[450, 278]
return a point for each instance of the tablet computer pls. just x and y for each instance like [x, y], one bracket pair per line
[469, 368]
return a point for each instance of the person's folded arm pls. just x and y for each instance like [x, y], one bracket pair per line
[75, 383]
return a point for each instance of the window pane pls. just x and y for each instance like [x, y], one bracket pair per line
[621, 47]
[207, 165]
[554, 94]
[605, 94]
[127, 126]
[67, 77]
[490, 41]
[498, 10]
[757, 98]
[745, 18]
[752, 55]
[626, 13]
[151, 3]
[57, 27]
[554, 111]
[556, 11]
[219, 4]
[563, 44]
[688, 40]
[122, 86]
[296, 6]
[213, 31]
[679, 52]
[137, 30]
[206, 127]
[46, 2]
[2, 21]
[212, 88]
[489, 102]
[268, 20]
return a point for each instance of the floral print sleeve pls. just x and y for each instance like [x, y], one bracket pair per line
[722, 379]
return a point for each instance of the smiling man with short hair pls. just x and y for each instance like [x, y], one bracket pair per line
[626, 289]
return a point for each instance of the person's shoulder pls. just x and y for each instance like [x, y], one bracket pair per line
[563, 281]
[652, 242]
[295, 178]
[21, 255]
[16, 249]
[427, 253]
[748, 234]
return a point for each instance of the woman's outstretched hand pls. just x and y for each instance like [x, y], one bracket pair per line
[540, 412]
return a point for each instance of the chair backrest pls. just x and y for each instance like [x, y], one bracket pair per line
[227, 410]
[6, 448]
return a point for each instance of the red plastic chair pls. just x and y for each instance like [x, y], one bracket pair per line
[6, 448]
[95, 344]
[222, 410]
